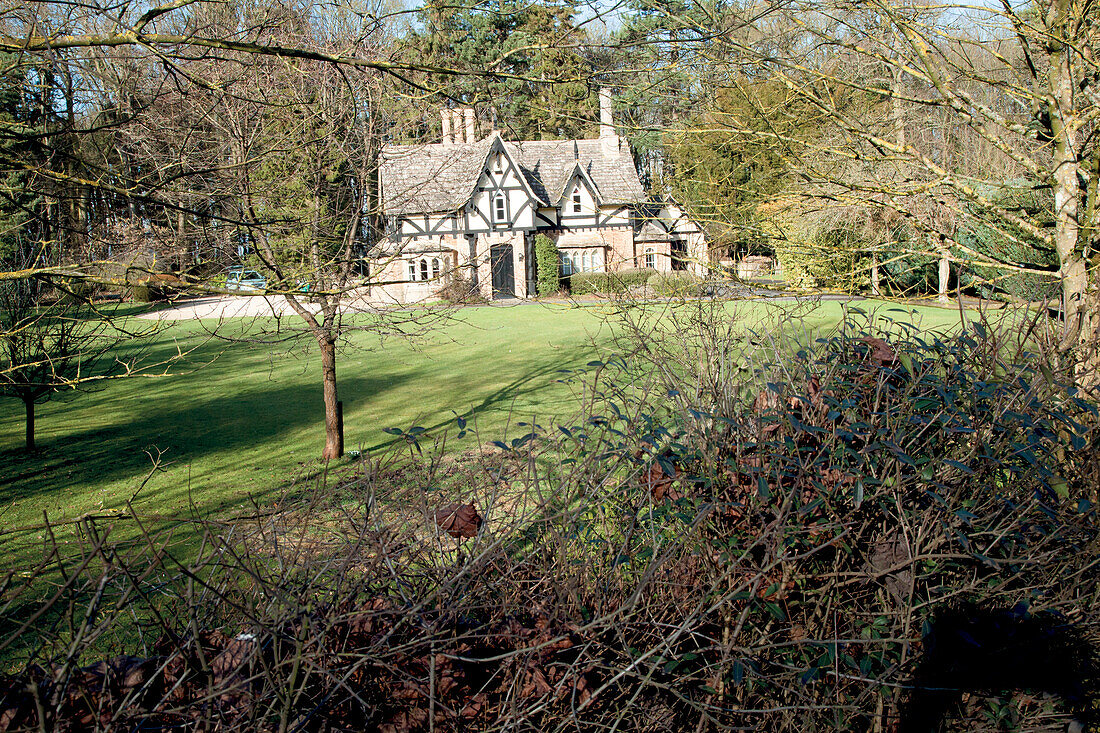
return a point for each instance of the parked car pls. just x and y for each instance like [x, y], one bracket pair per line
[239, 278]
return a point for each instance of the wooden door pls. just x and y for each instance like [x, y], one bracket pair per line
[504, 274]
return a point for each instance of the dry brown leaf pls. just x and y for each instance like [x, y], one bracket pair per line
[460, 521]
[659, 483]
[881, 352]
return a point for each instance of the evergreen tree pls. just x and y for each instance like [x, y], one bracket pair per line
[523, 63]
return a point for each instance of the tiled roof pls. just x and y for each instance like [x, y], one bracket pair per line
[430, 178]
[653, 230]
[441, 178]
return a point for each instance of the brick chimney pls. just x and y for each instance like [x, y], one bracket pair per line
[609, 141]
[471, 125]
[448, 135]
[457, 126]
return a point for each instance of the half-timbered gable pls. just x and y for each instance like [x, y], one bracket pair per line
[502, 199]
[475, 205]
[578, 201]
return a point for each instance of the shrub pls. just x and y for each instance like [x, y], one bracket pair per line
[460, 291]
[77, 290]
[673, 284]
[764, 538]
[589, 283]
[832, 258]
[633, 277]
[156, 287]
[609, 283]
[146, 294]
[1008, 243]
[548, 262]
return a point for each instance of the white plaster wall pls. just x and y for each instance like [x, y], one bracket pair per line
[615, 215]
[482, 201]
[587, 215]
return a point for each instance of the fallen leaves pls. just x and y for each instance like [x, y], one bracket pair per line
[659, 482]
[881, 353]
[460, 521]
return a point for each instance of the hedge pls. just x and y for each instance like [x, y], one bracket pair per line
[674, 283]
[609, 283]
[548, 262]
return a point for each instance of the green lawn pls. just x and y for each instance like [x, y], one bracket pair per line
[250, 422]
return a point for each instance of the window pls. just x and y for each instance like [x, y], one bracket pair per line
[500, 209]
[435, 267]
[577, 201]
[412, 270]
[423, 269]
[574, 261]
[649, 258]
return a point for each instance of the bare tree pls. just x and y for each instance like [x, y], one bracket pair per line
[53, 341]
[204, 151]
[924, 112]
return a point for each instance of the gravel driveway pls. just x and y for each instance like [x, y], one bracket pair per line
[242, 306]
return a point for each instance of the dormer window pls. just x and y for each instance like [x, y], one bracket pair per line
[576, 201]
[500, 209]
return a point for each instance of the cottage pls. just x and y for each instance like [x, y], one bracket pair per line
[471, 208]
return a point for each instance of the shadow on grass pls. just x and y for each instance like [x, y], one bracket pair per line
[222, 438]
[237, 424]
[256, 417]
[529, 383]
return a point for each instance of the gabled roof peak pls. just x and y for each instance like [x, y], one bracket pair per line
[436, 178]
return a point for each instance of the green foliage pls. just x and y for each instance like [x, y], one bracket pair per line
[672, 284]
[834, 258]
[906, 273]
[541, 92]
[146, 294]
[548, 262]
[633, 277]
[728, 167]
[17, 202]
[662, 36]
[609, 283]
[77, 290]
[590, 283]
[1007, 243]
[302, 190]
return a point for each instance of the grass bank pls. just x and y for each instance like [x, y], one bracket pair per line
[238, 422]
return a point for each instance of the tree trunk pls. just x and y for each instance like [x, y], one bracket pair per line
[876, 288]
[945, 274]
[1066, 169]
[30, 424]
[334, 428]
